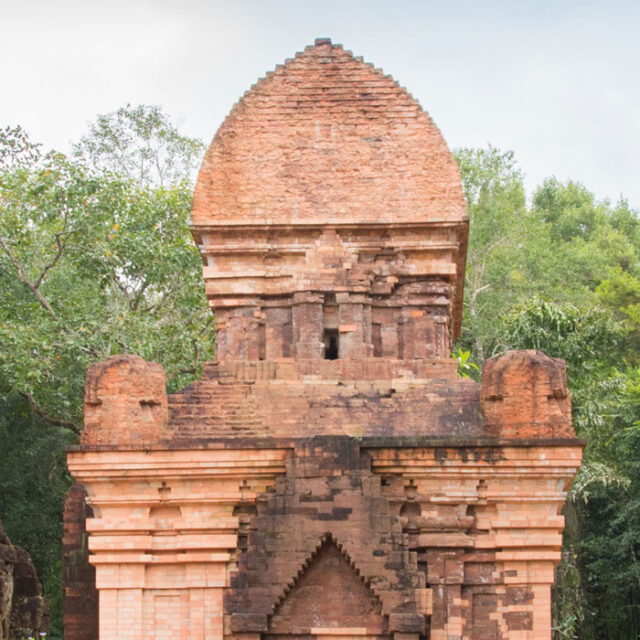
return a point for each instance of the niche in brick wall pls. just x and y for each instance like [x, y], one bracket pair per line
[330, 334]
[328, 594]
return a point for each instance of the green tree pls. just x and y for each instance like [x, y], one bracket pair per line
[494, 190]
[140, 144]
[592, 238]
[33, 482]
[95, 259]
[92, 263]
[563, 276]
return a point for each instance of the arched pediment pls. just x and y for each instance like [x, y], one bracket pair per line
[327, 118]
[329, 593]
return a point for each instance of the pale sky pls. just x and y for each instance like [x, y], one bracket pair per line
[556, 82]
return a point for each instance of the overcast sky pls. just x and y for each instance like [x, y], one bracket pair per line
[556, 82]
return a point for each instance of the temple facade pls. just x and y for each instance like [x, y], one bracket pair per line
[330, 477]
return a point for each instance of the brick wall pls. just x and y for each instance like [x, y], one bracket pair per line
[329, 476]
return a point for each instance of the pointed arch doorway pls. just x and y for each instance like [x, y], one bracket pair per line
[329, 600]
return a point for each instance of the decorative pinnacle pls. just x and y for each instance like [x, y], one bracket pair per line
[319, 41]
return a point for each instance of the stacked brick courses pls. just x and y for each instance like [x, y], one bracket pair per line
[330, 476]
[24, 611]
[327, 138]
[79, 577]
[328, 178]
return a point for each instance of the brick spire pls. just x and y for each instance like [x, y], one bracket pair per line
[324, 138]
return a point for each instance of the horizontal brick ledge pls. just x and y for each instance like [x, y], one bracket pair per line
[396, 442]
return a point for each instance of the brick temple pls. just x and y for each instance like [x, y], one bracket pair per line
[330, 477]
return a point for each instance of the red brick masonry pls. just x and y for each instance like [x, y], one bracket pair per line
[329, 476]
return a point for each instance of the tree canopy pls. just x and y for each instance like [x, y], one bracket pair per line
[561, 275]
[95, 259]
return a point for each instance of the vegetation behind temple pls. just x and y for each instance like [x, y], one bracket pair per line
[563, 275]
[96, 259]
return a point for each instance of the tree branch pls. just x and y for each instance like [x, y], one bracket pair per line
[196, 354]
[153, 307]
[20, 274]
[43, 415]
[138, 296]
[123, 346]
[61, 245]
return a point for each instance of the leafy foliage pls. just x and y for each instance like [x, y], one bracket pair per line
[95, 259]
[140, 144]
[466, 368]
[563, 276]
[583, 337]
[33, 482]
[94, 263]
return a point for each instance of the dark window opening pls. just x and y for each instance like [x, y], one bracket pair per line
[331, 344]
[262, 341]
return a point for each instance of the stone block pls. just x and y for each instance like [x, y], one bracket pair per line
[524, 394]
[24, 611]
[125, 402]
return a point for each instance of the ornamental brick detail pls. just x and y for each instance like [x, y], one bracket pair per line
[125, 401]
[329, 509]
[524, 393]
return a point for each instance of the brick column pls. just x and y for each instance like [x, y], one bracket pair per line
[307, 325]
[165, 534]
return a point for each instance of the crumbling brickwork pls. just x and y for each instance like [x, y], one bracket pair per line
[24, 611]
[328, 498]
[328, 206]
[79, 577]
[330, 476]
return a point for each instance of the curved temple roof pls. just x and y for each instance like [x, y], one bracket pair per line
[326, 138]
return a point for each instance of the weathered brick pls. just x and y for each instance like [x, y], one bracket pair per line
[24, 611]
[329, 476]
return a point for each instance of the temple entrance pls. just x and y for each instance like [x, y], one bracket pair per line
[328, 601]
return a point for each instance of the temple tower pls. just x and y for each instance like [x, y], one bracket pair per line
[331, 219]
[330, 476]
